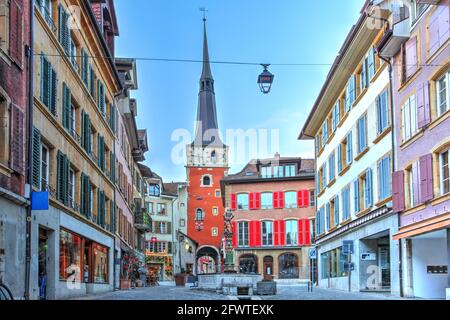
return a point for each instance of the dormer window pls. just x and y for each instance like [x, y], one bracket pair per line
[154, 190]
[213, 157]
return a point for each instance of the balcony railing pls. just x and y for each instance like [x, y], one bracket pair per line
[142, 220]
[393, 39]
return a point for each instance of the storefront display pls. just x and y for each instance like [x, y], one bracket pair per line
[100, 261]
[70, 253]
[81, 259]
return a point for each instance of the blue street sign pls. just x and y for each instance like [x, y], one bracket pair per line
[313, 253]
[349, 266]
[39, 200]
[347, 246]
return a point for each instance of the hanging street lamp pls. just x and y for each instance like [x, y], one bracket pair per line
[265, 80]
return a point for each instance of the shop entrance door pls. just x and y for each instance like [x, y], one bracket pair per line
[43, 256]
[268, 267]
[384, 264]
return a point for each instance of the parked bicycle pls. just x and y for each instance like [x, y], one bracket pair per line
[5, 293]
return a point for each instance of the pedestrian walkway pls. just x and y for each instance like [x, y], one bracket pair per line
[168, 291]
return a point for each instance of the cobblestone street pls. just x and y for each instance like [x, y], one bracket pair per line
[285, 292]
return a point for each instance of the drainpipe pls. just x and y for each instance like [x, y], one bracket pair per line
[30, 151]
[394, 166]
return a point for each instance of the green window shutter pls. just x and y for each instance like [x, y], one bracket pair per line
[169, 228]
[112, 223]
[61, 24]
[65, 107]
[83, 127]
[45, 78]
[88, 134]
[112, 166]
[53, 91]
[169, 247]
[84, 66]
[60, 177]
[88, 197]
[82, 195]
[99, 194]
[67, 181]
[36, 161]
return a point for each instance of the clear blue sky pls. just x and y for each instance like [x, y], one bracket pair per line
[288, 31]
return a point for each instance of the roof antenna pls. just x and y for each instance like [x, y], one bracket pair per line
[204, 13]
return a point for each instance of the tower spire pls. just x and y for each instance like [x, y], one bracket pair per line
[207, 129]
[206, 72]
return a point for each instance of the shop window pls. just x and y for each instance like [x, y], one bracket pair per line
[332, 263]
[70, 253]
[248, 264]
[100, 263]
[288, 266]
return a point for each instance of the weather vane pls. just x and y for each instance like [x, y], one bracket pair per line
[204, 12]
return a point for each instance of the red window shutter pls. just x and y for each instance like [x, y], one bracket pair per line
[257, 200]
[282, 233]
[398, 192]
[233, 201]
[423, 105]
[301, 234]
[307, 226]
[281, 199]
[300, 200]
[306, 198]
[426, 178]
[16, 32]
[251, 201]
[276, 233]
[257, 233]
[411, 56]
[17, 140]
[235, 234]
[275, 200]
[251, 233]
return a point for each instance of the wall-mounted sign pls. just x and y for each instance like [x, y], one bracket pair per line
[347, 246]
[437, 269]
[349, 266]
[368, 256]
[313, 253]
[39, 200]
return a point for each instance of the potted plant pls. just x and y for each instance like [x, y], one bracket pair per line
[130, 265]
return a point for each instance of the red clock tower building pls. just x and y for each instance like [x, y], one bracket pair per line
[207, 164]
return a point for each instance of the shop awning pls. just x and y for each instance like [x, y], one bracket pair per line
[434, 224]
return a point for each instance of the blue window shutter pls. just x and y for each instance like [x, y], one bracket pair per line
[369, 195]
[328, 216]
[317, 144]
[339, 160]
[356, 195]
[336, 210]
[349, 148]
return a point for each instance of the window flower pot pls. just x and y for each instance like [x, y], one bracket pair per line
[180, 280]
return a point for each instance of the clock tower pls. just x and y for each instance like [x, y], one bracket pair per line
[207, 164]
